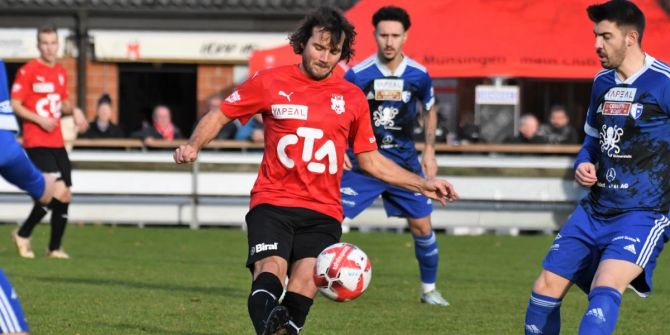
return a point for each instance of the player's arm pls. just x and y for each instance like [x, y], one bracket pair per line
[208, 127]
[46, 123]
[386, 170]
[428, 162]
[79, 118]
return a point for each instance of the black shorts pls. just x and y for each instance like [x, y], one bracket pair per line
[291, 233]
[53, 161]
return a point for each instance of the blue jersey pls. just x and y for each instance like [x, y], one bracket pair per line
[7, 118]
[393, 101]
[628, 138]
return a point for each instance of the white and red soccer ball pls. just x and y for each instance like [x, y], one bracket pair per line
[343, 272]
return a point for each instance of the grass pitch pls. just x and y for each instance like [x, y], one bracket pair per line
[170, 281]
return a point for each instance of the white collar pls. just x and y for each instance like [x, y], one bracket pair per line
[648, 60]
[387, 72]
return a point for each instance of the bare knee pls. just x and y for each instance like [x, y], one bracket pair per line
[551, 285]
[62, 192]
[420, 226]
[273, 264]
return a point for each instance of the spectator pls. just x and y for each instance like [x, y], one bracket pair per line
[161, 127]
[468, 131]
[528, 131]
[559, 130]
[228, 131]
[251, 131]
[102, 126]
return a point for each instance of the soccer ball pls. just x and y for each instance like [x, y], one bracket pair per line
[342, 272]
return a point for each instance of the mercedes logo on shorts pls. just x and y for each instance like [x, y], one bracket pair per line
[610, 175]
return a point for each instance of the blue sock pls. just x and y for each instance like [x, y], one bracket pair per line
[543, 315]
[425, 249]
[603, 311]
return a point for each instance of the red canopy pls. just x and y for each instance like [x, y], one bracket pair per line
[490, 38]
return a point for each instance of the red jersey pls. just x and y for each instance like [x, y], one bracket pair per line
[308, 126]
[41, 88]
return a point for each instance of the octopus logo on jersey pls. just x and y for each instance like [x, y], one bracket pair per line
[337, 103]
[609, 139]
[610, 175]
[49, 106]
[310, 135]
[384, 116]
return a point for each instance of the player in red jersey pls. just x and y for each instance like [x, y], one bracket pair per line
[310, 118]
[39, 97]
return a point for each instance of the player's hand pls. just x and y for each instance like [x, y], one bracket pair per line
[48, 123]
[429, 165]
[585, 174]
[185, 154]
[347, 166]
[440, 190]
[79, 120]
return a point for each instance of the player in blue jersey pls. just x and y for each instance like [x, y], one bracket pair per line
[615, 234]
[393, 84]
[16, 168]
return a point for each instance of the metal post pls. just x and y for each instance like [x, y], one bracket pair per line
[194, 195]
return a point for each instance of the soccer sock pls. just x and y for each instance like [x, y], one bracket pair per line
[36, 214]
[425, 249]
[602, 313]
[59, 212]
[298, 307]
[265, 291]
[543, 315]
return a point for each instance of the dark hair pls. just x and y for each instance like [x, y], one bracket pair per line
[621, 12]
[104, 99]
[46, 28]
[329, 20]
[555, 108]
[392, 13]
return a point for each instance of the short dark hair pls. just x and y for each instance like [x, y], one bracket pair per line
[329, 20]
[104, 99]
[392, 13]
[621, 12]
[555, 108]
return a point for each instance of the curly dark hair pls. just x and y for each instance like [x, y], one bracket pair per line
[392, 13]
[329, 20]
[621, 12]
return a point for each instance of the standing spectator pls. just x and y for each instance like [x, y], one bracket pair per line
[559, 130]
[39, 97]
[102, 126]
[528, 131]
[161, 127]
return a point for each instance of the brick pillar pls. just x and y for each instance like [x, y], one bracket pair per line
[212, 79]
[70, 65]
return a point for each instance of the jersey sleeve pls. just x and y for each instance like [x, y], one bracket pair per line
[21, 87]
[361, 135]
[247, 100]
[426, 92]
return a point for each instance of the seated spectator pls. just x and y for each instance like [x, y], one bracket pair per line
[161, 127]
[468, 132]
[251, 131]
[102, 126]
[528, 131]
[229, 130]
[559, 130]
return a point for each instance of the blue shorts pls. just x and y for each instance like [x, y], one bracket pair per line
[17, 168]
[359, 191]
[586, 240]
[12, 319]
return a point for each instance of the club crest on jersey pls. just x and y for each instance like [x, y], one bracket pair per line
[337, 103]
[636, 110]
[233, 97]
[621, 94]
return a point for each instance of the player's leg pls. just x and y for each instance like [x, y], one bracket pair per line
[60, 205]
[358, 192]
[570, 260]
[41, 158]
[315, 232]
[12, 320]
[270, 236]
[632, 244]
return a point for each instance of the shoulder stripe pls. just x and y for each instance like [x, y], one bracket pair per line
[662, 71]
[602, 73]
[661, 64]
[364, 64]
[416, 65]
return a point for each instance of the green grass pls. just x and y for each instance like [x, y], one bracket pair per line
[167, 281]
